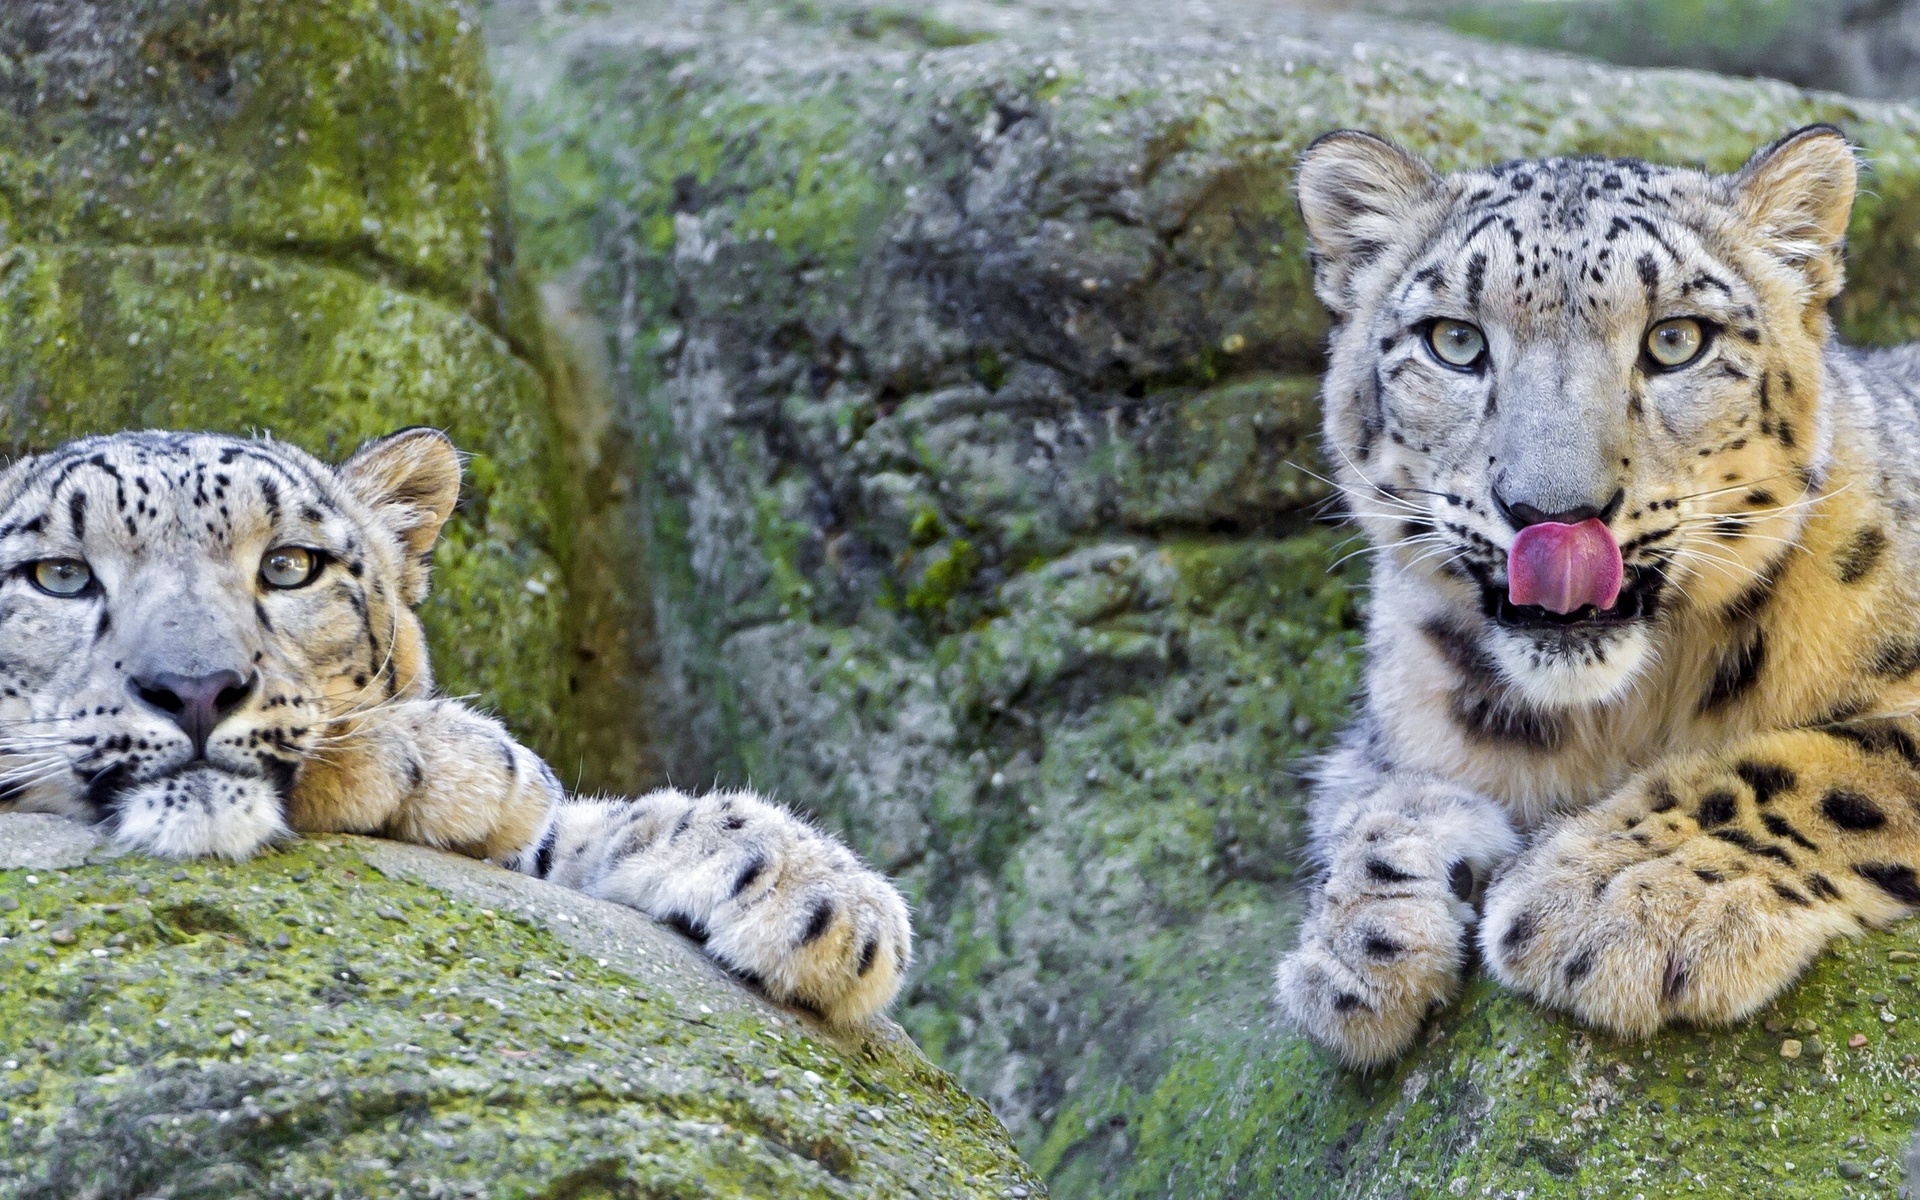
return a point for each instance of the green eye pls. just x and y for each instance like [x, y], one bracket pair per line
[1457, 343]
[61, 576]
[289, 567]
[1676, 343]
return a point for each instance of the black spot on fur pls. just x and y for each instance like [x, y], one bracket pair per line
[1851, 811]
[1346, 1002]
[1519, 934]
[1736, 674]
[1895, 660]
[1766, 779]
[1381, 871]
[817, 922]
[1895, 879]
[1716, 808]
[1878, 737]
[1822, 887]
[1462, 650]
[1859, 557]
[1506, 722]
[1579, 967]
[1382, 948]
[1789, 895]
[1476, 277]
[1752, 845]
[1707, 876]
[1780, 827]
[867, 952]
[748, 873]
[1747, 604]
[1663, 798]
[543, 857]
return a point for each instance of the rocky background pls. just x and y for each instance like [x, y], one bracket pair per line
[956, 437]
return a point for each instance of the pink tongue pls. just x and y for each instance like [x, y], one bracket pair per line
[1562, 567]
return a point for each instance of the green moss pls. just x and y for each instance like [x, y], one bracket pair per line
[1504, 1099]
[305, 1025]
[356, 132]
[946, 576]
[94, 339]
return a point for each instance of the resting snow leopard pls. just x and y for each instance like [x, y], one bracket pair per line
[209, 642]
[1644, 658]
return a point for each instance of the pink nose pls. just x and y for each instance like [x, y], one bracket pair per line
[196, 703]
[1562, 568]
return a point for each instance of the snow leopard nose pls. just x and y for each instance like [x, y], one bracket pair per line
[196, 703]
[1520, 514]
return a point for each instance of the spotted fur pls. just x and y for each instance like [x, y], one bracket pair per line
[201, 698]
[1668, 809]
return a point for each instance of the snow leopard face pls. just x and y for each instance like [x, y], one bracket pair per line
[182, 615]
[1575, 398]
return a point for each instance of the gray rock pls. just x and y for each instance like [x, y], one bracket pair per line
[356, 1017]
[43, 843]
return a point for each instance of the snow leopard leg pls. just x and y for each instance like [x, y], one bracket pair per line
[773, 899]
[1709, 882]
[770, 897]
[1385, 938]
[434, 772]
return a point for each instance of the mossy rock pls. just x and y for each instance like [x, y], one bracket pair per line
[356, 132]
[290, 218]
[348, 1017]
[1815, 1098]
[963, 363]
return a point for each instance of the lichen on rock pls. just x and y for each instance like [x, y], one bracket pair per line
[347, 1017]
[964, 367]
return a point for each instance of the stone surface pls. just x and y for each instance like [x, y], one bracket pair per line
[1860, 47]
[291, 218]
[351, 1017]
[959, 367]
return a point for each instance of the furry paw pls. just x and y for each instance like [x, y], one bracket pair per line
[1629, 918]
[1385, 944]
[770, 897]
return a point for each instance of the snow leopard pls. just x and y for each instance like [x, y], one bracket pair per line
[1642, 664]
[209, 644]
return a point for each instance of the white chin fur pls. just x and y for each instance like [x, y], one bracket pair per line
[1547, 676]
[200, 813]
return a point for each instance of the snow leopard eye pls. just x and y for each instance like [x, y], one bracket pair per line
[289, 567]
[1676, 343]
[63, 577]
[1457, 344]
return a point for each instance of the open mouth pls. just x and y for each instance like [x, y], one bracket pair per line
[1639, 598]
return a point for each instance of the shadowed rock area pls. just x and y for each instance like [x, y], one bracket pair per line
[351, 1017]
[959, 368]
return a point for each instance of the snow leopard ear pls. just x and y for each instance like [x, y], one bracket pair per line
[1797, 194]
[1359, 194]
[411, 481]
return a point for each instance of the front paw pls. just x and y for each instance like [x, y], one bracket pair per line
[1630, 921]
[1385, 946]
[776, 901]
